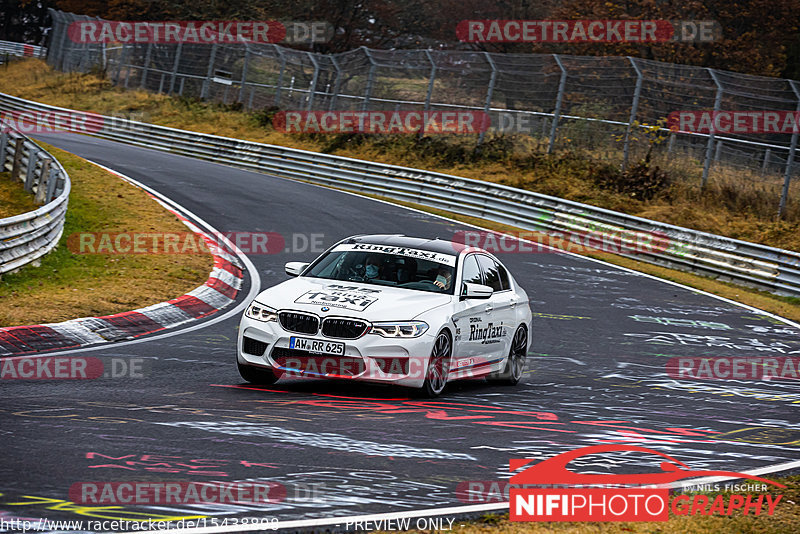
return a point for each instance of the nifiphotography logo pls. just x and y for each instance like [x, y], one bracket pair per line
[626, 497]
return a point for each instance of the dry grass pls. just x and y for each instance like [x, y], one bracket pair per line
[14, 200]
[68, 285]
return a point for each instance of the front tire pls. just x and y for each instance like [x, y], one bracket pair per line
[257, 375]
[438, 366]
[515, 364]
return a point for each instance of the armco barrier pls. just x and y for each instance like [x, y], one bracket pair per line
[751, 264]
[27, 237]
[21, 49]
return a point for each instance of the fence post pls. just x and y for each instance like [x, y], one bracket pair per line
[207, 82]
[175, 63]
[313, 89]
[710, 144]
[559, 99]
[147, 57]
[787, 175]
[336, 84]
[489, 93]
[280, 75]
[429, 94]
[634, 109]
[764, 165]
[245, 65]
[370, 80]
[121, 56]
[62, 56]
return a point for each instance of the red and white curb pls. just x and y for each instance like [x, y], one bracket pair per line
[219, 291]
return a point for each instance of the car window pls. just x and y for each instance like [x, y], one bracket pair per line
[496, 275]
[472, 273]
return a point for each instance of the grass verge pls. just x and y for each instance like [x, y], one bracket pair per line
[14, 200]
[66, 285]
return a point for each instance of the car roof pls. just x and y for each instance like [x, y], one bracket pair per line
[441, 246]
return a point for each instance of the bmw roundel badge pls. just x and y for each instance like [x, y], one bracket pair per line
[325, 308]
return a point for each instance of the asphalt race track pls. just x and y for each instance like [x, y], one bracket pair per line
[596, 375]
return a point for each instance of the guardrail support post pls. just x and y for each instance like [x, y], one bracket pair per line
[43, 183]
[787, 175]
[30, 172]
[370, 80]
[45, 171]
[764, 165]
[245, 65]
[3, 145]
[207, 82]
[710, 144]
[489, 93]
[313, 88]
[634, 109]
[175, 67]
[559, 99]
[148, 55]
[16, 168]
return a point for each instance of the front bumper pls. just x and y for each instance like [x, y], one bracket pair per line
[371, 358]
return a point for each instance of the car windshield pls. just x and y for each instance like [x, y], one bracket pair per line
[382, 265]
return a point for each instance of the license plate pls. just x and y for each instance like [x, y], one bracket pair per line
[317, 346]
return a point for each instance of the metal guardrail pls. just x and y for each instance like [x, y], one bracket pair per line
[27, 237]
[21, 49]
[751, 264]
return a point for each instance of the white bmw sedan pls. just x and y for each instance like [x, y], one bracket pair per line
[393, 309]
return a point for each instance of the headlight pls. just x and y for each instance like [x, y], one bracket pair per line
[400, 328]
[259, 312]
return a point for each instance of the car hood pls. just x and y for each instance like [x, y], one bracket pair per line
[350, 299]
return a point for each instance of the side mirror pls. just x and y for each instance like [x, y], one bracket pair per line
[294, 268]
[475, 291]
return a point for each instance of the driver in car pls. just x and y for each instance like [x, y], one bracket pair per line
[444, 278]
[373, 267]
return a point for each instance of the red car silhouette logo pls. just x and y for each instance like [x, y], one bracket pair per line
[554, 470]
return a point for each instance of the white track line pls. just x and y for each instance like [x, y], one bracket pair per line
[255, 278]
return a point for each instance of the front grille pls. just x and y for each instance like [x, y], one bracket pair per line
[302, 323]
[304, 361]
[253, 346]
[343, 328]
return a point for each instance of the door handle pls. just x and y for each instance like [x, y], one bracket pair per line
[489, 307]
